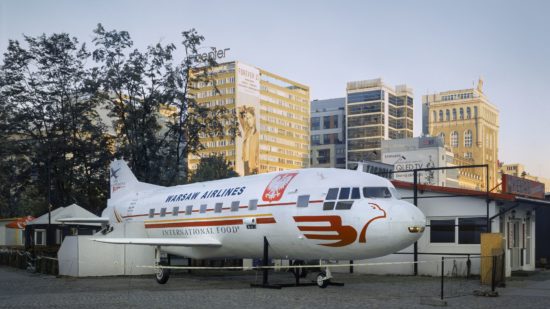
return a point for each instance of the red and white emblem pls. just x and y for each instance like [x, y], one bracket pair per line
[276, 188]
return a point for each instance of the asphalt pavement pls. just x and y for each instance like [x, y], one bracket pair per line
[226, 289]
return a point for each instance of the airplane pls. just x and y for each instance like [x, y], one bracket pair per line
[304, 214]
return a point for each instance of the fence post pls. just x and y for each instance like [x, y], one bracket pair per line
[469, 267]
[442, 274]
[494, 273]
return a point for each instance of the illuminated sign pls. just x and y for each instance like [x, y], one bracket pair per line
[214, 54]
[521, 186]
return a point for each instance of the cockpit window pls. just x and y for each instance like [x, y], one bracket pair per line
[376, 192]
[344, 194]
[355, 194]
[332, 194]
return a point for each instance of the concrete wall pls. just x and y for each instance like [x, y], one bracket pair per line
[80, 256]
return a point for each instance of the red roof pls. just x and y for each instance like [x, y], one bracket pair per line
[20, 223]
[457, 191]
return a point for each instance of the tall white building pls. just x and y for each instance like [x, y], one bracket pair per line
[376, 111]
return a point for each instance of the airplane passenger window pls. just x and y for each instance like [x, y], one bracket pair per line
[235, 206]
[252, 204]
[163, 212]
[188, 210]
[332, 194]
[151, 213]
[355, 194]
[344, 205]
[376, 192]
[344, 194]
[218, 207]
[303, 201]
[203, 208]
[328, 206]
[175, 211]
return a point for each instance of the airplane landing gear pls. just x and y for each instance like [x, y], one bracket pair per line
[324, 279]
[162, 274]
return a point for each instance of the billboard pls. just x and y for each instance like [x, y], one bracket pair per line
[415, 159]
[521, 186]
[247, 108]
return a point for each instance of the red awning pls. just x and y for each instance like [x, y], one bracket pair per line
[20, 223]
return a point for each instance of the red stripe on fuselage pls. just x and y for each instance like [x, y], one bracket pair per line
[207, 223]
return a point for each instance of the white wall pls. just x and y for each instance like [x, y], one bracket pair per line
[80, 256]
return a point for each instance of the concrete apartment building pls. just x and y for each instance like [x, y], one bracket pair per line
[375, 112]
[328, 123]
[273, 116]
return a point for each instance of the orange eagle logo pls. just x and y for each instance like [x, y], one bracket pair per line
[342, 235]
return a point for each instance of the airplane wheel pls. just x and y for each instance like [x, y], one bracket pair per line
[322, 280]
[162, 275]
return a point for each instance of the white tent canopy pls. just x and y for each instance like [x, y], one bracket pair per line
[71, 211]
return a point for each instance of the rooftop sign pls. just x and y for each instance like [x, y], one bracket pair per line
[521, 186]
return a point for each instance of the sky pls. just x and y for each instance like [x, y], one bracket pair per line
[431, 45]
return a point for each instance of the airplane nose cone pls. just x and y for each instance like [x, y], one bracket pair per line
[407, 223]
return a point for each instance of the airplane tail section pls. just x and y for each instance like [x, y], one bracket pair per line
[123, 180]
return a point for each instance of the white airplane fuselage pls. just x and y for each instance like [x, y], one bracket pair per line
[295, 210]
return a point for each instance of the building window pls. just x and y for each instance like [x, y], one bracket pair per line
[326, 122]
[461, 113]
[454, 139]
[470, 229]
[442, 135]
[468, 113]
[442, 231]
[454, 113]
[468, 138]
[323, 156]
[40, 237]
[447, 115]
[315, 139]
[315, 123]
[440, 116]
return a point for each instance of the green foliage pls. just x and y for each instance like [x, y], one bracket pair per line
[50, 129]
[54, 147]
[213, 167]
[138, 86]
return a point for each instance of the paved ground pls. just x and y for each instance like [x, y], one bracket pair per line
[19, 288]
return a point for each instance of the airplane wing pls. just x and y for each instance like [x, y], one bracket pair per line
[185, 242]
[84, 220]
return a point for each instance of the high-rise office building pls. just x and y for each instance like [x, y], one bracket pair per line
[328, 122]
[469, 124]
[273, 116]
[376, 112]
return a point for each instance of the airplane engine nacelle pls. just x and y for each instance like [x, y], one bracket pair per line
[250, 223]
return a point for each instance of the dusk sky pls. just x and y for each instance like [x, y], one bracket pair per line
[428, 45]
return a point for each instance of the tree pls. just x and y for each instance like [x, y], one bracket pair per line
[140, 86]
[49, 102]
[213, 167]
